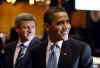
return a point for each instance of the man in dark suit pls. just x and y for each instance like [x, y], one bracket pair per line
[69, 53]
[16, 54]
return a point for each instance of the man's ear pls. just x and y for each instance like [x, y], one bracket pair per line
[46, 26]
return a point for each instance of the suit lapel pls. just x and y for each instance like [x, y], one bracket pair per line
[27, 57]
[44, 47]
[27, 54]
[11, 52]
[70, 54]
[65, 55]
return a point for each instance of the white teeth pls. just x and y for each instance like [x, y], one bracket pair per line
[65, 33]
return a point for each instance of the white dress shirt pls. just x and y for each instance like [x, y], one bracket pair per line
[58, 49]
[18, 47]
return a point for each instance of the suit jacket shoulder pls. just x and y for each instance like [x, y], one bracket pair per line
[80, 52]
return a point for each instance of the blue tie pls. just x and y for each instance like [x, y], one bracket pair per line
[19, 59]
[52, 61]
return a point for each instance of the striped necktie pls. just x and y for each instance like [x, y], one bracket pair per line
[52, 61]
[19, 59]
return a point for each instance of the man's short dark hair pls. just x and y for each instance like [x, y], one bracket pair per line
[24, 17]
[48, 16]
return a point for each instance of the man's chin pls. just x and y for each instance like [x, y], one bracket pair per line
[64, 37]
[27, 39]
[61, 38]
[30, 38]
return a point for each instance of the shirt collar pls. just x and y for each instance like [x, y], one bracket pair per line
[27, 43]
[59, 43]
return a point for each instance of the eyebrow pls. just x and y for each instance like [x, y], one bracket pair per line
[62, 22]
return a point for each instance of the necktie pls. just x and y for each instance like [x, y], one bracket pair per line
[19, 59]
[52, 61]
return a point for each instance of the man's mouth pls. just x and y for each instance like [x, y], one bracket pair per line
[65, 32]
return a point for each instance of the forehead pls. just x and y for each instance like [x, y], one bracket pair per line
[59, 15]
[26, 23]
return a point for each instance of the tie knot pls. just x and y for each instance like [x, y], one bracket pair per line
[22, 46]
[53, 46]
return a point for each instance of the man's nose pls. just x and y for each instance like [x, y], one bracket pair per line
[66, 26]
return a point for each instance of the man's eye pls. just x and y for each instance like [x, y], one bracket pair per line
[60, 23]
[25, 27]
[32, 26]
[63, 22]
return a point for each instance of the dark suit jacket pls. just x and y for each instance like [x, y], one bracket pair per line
[74, 54]
[10, 50]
